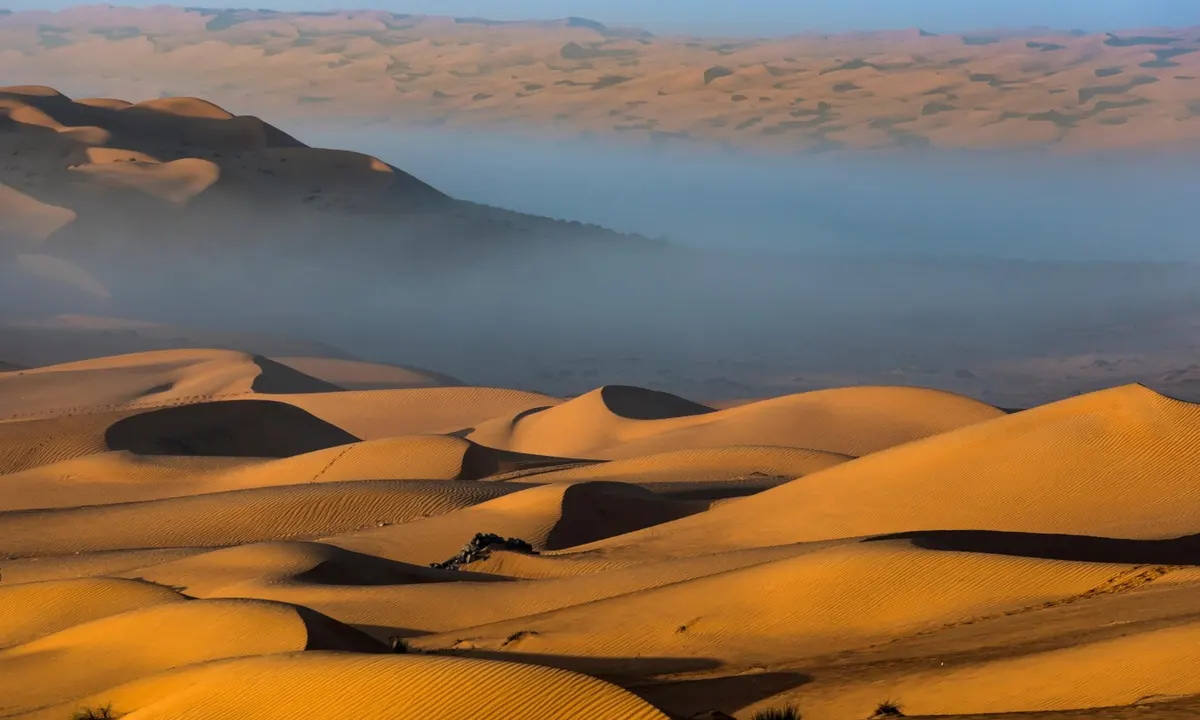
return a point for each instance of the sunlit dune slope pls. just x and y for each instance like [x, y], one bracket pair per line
[211, 534]
[236, 517]
[815, 603]
[322, 685]
[1116, 463]
[621, 422]
[398, 598]
[244, 428]
[92, 656]
[146, 379]
[31, 610]
[549, 517]
[443, 410]
[1143, 664]
[703, 466]
[106, 478]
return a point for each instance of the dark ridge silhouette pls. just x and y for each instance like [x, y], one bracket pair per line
[1075, 548]
[237, 428]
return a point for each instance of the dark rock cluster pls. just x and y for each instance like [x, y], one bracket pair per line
[481, 547]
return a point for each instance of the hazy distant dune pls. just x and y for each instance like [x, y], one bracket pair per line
[887, 89]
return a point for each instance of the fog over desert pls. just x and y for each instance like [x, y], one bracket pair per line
[372, 364]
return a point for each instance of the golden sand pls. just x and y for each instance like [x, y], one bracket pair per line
[168, 557]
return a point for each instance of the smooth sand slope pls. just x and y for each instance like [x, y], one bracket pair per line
[206, 533]
[1116, 463]
[620, 422]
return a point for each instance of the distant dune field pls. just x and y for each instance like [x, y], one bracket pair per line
[206, 533]
[1038, 87]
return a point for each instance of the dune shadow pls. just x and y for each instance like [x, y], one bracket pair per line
[635, 403]
[613, 669]
[597, 510]
[278, 379]
[1075, 548]
[236, 428]
[684, 698]
[480, 462]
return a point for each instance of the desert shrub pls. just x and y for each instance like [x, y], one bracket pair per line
[888, 708]
[96, 713]
[399, 645]
[784, 713]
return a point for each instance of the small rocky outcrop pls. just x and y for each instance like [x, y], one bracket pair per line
[480, 547]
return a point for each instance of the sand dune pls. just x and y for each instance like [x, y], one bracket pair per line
[618, 422]
[1072, 91]
[145, 379]
[92, 656]
[106, 478]
[788, 609]
[1143, 667]
[32, 610]
[549, 517]
[322, 685]
[231, 193]
[240, 516]
[1116, 463]
[209, 533]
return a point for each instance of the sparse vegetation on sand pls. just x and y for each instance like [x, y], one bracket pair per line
[787, 712]
[97, 713]
[888, 708]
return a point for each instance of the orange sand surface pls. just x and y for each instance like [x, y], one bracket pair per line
[202, 533]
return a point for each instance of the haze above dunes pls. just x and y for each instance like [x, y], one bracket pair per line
[991, 89]
[204, 533]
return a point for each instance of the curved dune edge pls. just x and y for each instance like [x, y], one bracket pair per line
[146, 379]
[177, 181]
[236, 517]
[834, 599]
[1115, 463]
[31, 610]
[88, 480]
[548, 517]
[705, 465]
[845, 421]
[95, 655]
[322, 685]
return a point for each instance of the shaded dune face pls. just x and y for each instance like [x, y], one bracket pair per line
[634, 403]
[248, 428]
